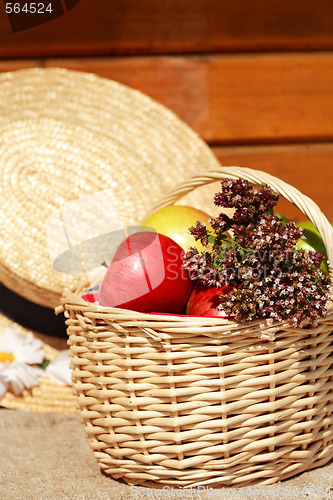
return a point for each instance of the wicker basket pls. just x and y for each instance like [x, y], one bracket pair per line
[186, 401]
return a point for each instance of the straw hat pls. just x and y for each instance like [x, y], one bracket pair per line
[66, 137]
[48, 396]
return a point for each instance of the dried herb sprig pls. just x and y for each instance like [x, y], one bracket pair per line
[270, 277]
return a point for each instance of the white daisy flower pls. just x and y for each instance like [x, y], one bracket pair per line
[17, 353]
[58, 369]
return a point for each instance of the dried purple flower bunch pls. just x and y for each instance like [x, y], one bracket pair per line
[270, 277]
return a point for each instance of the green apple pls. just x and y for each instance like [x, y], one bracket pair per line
[174, 221]
[313, 242]
[308, 226]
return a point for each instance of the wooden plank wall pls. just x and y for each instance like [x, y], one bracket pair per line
[253, 79]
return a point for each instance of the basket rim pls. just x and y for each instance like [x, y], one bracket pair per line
[207, 326]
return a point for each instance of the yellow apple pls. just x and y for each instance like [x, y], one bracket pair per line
[174, 221]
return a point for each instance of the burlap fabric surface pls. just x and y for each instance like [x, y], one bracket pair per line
[46, 456]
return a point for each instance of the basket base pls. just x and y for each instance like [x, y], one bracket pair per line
[215, 476]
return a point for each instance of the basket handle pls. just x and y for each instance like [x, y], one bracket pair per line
[257, 177]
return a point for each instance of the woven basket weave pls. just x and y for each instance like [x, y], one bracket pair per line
[188, 401]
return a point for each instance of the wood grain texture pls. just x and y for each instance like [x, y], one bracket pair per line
[17, 64]
[180, 83]
[308, 167]
[233, 98]
[105, 27]
[228, 114]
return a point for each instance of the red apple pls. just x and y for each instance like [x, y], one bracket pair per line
[204, 300]
[146, 275]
